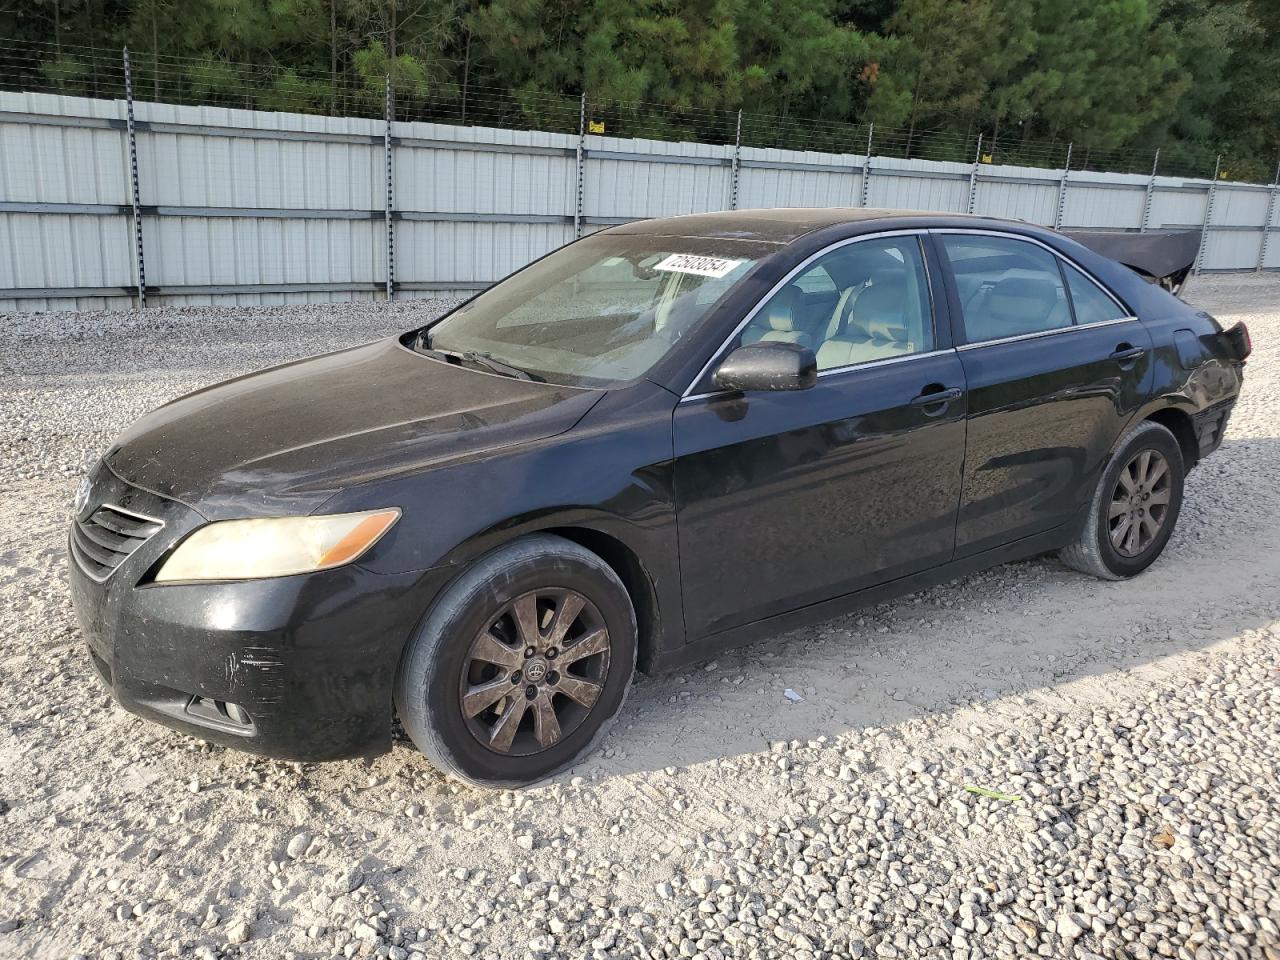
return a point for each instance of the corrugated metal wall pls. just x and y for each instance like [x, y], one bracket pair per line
[248, 207]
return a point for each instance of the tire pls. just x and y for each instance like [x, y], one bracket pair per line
[1096, 551]
[517, 593]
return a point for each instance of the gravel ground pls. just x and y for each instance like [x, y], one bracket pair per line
[1128, 734]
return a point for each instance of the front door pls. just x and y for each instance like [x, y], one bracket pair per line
[789, 498]
[1055, 369]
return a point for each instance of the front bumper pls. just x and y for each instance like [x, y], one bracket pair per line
[308, 660]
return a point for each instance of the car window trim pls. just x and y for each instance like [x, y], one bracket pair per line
[1060, 258]
[718, 353]
[846, 368]
[1046, 333]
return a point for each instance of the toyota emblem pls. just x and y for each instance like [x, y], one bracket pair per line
[535, 670]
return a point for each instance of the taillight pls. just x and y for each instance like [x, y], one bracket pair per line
[1241, 342]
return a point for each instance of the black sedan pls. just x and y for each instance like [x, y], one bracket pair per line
[663, 439]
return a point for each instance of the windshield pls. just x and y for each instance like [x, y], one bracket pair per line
[598, 312]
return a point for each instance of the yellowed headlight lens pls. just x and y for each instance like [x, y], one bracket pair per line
[275, 547]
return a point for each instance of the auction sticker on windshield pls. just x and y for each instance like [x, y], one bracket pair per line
[702, 266]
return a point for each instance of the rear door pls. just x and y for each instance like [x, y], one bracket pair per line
[1055, 368]
[789, 498]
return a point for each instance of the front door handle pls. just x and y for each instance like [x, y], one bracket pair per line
[1126, 354]
[935, 395]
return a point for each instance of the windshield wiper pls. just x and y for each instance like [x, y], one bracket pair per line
[497, 366]
[474, 356]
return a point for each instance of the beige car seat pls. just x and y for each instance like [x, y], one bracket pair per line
[876, 328]
[779, 323]
[1012, 306]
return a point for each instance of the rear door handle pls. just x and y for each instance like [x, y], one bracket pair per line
[1127, 354]
[938, 398]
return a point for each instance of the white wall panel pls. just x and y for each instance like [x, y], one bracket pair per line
[451, 251]
[63, 164]
[1229, 250]
[768, 186]
[1092, 206]
[1273, 254]
[64, 251]
[1033, 202]
[764, 187]
[470, 181]
[638, 188]
[1177, 208]
[187, 251]
[918, 193]
[1239, 206]
[328, 175]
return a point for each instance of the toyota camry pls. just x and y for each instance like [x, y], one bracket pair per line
[660, 440]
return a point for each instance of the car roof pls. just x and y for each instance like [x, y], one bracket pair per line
[781, 225]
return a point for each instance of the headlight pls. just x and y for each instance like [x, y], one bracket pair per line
[250, 549]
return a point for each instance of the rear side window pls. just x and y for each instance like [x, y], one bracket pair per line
[1090, 303]
[1007, 287]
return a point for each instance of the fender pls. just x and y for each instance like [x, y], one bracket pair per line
[614, 473]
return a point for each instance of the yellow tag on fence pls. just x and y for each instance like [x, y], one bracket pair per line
[595, 126]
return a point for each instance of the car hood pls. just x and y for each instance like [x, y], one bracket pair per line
[286, 439]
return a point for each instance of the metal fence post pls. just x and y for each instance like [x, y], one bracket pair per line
[866, 166]
[1062, 191]
[1151, 190]
[1266, 224]
[973, 175]
[737, 147]
[140, 262]
[390, 198]
[582, 152]
[1208, 214]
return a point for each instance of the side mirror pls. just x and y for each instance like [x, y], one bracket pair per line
[768, 366]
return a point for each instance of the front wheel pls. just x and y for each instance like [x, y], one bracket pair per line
[1134, 508]
[521, 665]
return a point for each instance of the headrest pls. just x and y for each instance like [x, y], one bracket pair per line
[862, 263]
[1019, 299]
[779, 313]
[879, 308]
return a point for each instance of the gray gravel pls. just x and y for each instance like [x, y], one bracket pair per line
[805, 797]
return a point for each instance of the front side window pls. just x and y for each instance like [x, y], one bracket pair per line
[1091, 304]
[1007, 287]
[598, 312]
[863, 301]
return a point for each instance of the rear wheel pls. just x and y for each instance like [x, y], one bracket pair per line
[1134, 508]
[521, 665]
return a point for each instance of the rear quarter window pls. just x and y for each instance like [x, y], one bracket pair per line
[1091, 303]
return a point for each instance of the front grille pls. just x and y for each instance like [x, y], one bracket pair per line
[109, 535]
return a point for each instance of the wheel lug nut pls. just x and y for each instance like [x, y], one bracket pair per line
[551, 654]
[515, 677]
[529, 652]
[553, 677]
[530, 691]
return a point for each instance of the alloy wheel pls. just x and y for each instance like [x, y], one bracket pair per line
[533, 673]
[1139, 503]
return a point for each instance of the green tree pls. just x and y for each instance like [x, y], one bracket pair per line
[799, 59]
[940, 72]
[1103, 69]
[1193, 77]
